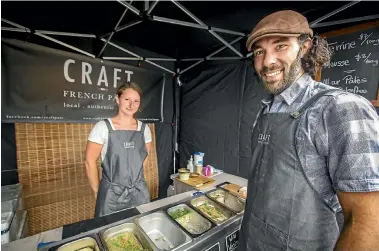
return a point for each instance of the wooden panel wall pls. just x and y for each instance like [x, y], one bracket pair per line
[50, 159]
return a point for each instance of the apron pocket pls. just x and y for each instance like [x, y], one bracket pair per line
[268, 237]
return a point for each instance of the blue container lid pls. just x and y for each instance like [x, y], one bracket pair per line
[199, 153]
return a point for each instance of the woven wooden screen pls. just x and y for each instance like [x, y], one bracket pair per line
[50, 159]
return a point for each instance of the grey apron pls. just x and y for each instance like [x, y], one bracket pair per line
[283, 212]
[123, 184]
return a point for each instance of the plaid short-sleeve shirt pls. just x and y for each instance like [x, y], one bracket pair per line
[341, 147]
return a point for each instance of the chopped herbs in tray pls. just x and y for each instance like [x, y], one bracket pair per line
[124, 242]
[179, 213]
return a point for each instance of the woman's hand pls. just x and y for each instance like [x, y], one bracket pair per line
[92, 154]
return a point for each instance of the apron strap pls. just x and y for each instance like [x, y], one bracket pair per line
[143, 128]
[110, 129]
[311, 101]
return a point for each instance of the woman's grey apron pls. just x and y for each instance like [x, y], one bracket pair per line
[123, 184]
[283, 211]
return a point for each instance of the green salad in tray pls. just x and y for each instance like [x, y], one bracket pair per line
[179, 213]
[124, 242]
[212, 212]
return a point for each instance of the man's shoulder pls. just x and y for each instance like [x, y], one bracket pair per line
[339, 97]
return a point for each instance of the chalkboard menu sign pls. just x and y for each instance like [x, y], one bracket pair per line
[354, 65]
[215, 247]
[232, 241]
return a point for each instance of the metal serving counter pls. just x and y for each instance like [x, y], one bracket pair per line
[159, 229]
[219, 237]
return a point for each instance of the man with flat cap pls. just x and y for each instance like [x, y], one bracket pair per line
[315, 150]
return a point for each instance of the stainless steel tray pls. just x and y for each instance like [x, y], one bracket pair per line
[91, 241]
[228, 200]
[106, 234]
[163, 233]
[198, 201]
[192, 222]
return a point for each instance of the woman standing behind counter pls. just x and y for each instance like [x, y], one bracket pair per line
[123, 143]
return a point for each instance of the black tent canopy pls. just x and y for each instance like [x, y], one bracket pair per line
[188, 32]
[174, 37]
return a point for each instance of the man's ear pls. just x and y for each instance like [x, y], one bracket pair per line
[306, 46]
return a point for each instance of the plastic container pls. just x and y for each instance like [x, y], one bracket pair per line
[207, 171]
[13, 192]
[184, 174]
[190, 165]
[7, 214]
[198, 158]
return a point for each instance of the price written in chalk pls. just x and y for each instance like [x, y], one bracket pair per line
[365, 58]
[368, 39]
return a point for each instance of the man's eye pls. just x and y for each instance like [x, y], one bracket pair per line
[257, 53]
[281, 46]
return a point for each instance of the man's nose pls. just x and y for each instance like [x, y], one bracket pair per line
[269, 59]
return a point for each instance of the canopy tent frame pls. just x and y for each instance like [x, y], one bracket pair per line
[146, 14]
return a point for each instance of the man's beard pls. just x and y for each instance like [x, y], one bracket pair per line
[290, 76]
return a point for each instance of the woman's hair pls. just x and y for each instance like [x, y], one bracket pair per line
[317, 56]
[128, 85]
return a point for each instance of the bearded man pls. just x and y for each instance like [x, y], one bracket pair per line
[315, 150]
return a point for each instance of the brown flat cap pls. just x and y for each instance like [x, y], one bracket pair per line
[282, 23]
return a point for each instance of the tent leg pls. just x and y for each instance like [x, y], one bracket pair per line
[176, 122]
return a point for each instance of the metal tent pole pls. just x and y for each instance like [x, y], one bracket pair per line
[123, 27]
[49, 38]
[64, 44]
[161, 59]
[159, 66]
[70, 34]
[226, 43]
[14, 29]
[137, 56]
[345, 21]
[114, 30]
[224, 58]
[130, 7]
[210, 30]
[178, 22]
[14, 24]
[122, 49]
[122, 58]
[146, 5]
[191, 66]
[333, 13]
[209, 56]
[152, 7]
[228, 31]
[224, 47]
[190, 59]
[194, 25]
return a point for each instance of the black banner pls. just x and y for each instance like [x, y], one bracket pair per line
[41, 84]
